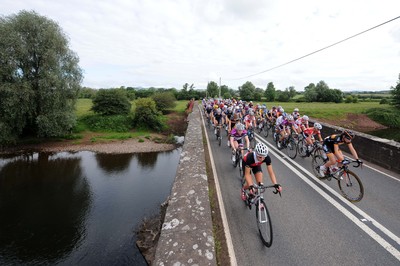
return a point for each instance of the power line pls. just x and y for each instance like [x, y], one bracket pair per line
[348, 38]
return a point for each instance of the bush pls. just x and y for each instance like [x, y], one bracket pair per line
[387, 117]
[349, 99]
[384, 101]
[111, 102]
[164, 100]
[146, 115]
[112, 123]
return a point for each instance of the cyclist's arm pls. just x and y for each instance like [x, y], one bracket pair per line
[246, 138]
[272, 176]
[352, 150]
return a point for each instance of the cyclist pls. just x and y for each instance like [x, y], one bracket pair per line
[218, 119]
[332, 150]
[311, 131]
[250, 120]
[296, 113]
[236, 138]
[252, 162]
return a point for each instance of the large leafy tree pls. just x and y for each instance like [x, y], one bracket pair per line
[247, 91]
[111, 102]
[396, 94]
[212, 89]
[39, 78]
[270, 92]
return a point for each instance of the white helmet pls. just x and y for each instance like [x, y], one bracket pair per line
[305, 117]
[239, 126]
[261, 149]
[290, 117]
[317, 126]
[296, 110]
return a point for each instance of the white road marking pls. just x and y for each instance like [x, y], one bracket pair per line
[354, 219]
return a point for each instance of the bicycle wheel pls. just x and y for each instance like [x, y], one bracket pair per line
[266, 129]
[264, 223]
[302, 148]
[291, 148]
[317, 161]
[350, 186]
[240, 165]
[253, 143]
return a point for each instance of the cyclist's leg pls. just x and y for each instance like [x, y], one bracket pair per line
[258, 174]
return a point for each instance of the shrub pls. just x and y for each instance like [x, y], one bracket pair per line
[164, 100]
[384, 101]
[147, 116]
[388, 117]
[111, 102]
[112, 123]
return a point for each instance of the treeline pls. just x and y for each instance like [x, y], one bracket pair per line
[186, 93]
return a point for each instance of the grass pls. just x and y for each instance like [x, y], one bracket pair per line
[83, 107]
[328, 110]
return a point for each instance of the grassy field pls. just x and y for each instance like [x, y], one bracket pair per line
[328, 110]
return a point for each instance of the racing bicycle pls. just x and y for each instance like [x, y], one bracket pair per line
[263, 217]
[349, 183]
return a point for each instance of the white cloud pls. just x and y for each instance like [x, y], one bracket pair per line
[171, 42]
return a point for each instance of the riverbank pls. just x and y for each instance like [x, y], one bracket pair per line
[106, 146]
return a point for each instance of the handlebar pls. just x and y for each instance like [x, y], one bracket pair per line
[262, 187]
[357, 163]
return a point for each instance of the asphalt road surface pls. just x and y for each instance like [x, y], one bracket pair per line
[312, 223]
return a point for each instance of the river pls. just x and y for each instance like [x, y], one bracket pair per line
[79, 208]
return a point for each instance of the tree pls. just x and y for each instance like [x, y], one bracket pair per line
[247, 91]
[164, 100]
[111, 102]
[146, 115]
[395, 91]
[39, 78]
[212, 89]
[270, 92]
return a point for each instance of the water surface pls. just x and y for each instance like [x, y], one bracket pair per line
[79, 208]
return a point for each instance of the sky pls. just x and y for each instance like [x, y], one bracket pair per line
[167, 43]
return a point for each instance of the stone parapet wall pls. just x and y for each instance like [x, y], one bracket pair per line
[382, 152]
[187, 232]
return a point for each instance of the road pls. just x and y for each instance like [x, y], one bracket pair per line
[312, 223]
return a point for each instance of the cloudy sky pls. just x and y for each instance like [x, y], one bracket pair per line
[167, 43]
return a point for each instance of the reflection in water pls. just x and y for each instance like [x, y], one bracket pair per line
[43, 204]
[147, 160]
[64, 209]
[113, 163]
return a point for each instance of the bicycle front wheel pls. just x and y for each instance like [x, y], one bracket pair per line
[291, 148]
[240, 165]
[317, 161]
[302, 148]
[351, 186]
[264, 223]
[266, 130]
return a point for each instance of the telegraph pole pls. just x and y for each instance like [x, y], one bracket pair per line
[219, 88]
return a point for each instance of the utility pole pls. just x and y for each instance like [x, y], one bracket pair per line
[219, 88]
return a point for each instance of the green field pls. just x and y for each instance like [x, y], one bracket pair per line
[328, 110]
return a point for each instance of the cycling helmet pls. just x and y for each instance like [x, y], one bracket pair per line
[348, 134]
[290, 118]
[296, 109]
[305, 118]
[261, 149]
[251, 113]
[281, 110]
[317, 126]
[284, 115]
[215, 106]
[218, 111]
[239, 126]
